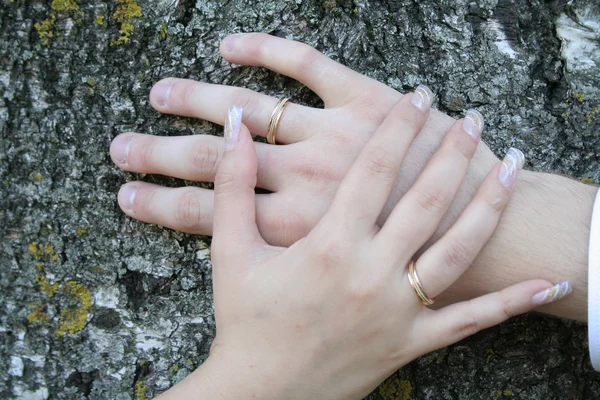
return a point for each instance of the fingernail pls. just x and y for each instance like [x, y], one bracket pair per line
[127, 197]
[422, 97]
[512, 163]
[229, 42]
[121, 147]
[232, 127]
[160, 93]
[473, 123]
[552, 294]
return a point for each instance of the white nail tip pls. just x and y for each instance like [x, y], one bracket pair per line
[232, 127]
[422, 97]
[553, 293]
[513, 161]
[473, 123]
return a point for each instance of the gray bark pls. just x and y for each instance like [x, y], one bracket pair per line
[530, 66]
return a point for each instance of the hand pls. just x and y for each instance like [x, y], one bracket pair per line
[334, 315]
[320, 145]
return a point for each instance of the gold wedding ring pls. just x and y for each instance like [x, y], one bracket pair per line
[413, 278]
[275, 117]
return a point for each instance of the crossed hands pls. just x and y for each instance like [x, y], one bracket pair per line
[334, 314]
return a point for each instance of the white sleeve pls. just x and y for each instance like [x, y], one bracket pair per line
[594, 286]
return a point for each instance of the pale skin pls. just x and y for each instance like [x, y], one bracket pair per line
[334, 314]
[543, 234]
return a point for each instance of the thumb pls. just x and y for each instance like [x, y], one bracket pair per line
[234, 223]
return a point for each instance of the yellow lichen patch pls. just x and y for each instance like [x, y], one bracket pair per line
[591, 115]
[504, 393]
[42, 252]
[579, 97]
[163, 31]
[140, 390]
[34, 250]
[126, 11]
[587, 180]
[45, 285]
[64, 5]
[395, 389]
[45, 29]
[173, 369]
[38, 313]
[35, 176]
[100, 19]
[81, 231]
[73, 318]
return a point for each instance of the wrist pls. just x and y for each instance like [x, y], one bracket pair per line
[224, 377]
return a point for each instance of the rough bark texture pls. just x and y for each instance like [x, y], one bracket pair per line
[94, 305]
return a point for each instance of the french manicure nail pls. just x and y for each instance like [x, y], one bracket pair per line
[233, 125]
[422, 97]
[160, 93]
[512, 163]
[473, 123]
[552, 294]
[121, 147]
[127, 196]
[229, 42]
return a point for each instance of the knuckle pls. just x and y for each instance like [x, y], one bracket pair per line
[225, 183]
[186, 92]
[247, 99]
[188, 210]
[508, 309]
[468, 327]
[379, 161]
[497, 201]
[142, 204]
[143, 153]
[288, 225]
[432, 200]
[316, 170]
[330, 250]
[308, 61]
[464, 147]
[258, 46]
[457, 255]
[364, 289]
[204, 159]
[409, 119]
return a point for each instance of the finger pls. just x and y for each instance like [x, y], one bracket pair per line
[186, 209]
[234, 220]
[444, 262]
[368, 184]
[194, 158]
[417, 215]
[210, 102]
[190, 209]
[331, 81]
[458, 321]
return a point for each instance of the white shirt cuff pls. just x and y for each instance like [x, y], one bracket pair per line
[594, 286]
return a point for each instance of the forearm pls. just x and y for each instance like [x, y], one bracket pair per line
[544, 232]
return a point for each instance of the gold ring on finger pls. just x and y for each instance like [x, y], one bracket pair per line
[275, 118]
[413, 278]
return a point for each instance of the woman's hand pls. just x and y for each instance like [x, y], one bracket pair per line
[316, 146]
[335, 314]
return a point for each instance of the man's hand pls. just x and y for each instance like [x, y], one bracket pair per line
[315, 147]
